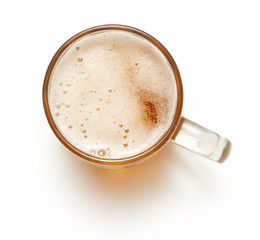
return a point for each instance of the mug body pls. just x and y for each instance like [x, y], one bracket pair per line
[149, 109]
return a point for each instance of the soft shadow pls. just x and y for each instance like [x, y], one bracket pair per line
[131, 182]
[163, 172]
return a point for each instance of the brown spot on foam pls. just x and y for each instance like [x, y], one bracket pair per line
[153, 107]
[150, 111]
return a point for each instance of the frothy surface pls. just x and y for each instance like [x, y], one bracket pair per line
[112, 94]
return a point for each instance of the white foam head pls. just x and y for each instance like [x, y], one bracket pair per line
[113, 94]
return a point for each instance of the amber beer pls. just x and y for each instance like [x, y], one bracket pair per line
[112, 94]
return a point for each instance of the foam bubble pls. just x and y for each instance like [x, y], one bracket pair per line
[102, 153]
[92, 151]
[80, 59]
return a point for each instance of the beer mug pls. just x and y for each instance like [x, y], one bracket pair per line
[113, 96]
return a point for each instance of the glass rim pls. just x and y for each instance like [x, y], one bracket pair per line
[170, 133]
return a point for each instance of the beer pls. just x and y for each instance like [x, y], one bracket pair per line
[112, 94]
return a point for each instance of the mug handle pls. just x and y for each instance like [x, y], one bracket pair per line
[202, 141]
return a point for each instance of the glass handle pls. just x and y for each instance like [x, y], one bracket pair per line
[202, 141]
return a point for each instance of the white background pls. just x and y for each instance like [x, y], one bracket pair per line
[46, 193]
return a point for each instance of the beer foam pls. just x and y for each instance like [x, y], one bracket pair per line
[112, 94]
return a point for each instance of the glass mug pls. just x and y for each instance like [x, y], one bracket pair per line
[179, 130]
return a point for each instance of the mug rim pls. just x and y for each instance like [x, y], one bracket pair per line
[169, 134]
